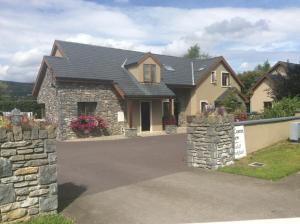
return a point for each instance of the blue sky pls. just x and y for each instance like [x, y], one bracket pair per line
[246, 32]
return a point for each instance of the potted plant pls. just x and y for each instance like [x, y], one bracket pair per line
[170, 125]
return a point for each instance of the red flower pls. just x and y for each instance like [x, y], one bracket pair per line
[87, 122]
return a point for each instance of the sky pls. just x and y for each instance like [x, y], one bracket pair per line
[245, 32]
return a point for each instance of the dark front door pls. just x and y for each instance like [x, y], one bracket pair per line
[145, 116]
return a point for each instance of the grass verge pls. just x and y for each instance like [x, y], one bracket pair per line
[50, 219]
[281, 160]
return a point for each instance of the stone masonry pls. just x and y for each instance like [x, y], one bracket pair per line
[210, 142]
[61, 98]
[28, 185]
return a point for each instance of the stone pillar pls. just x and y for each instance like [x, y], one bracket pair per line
[28, 175]
[210, 142]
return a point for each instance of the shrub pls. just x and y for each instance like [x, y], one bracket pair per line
[283, 108]
[23, 105]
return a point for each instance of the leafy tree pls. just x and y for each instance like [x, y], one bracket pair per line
[289, 85]
[249, 78]
[284, 108]
[231, 103]
[194, 52]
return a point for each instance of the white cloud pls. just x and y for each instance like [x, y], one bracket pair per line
[28, 29]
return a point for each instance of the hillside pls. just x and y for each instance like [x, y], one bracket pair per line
[18, 90]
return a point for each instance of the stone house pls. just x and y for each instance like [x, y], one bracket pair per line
[261, 92]
[129, 89]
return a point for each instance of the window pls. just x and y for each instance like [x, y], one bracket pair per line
[203, 106]
[166, 111]
[86, 108]
[213, 77]
[267, 105]
[149, 73]
[225, 79]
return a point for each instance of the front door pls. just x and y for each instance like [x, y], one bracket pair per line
[145, 116]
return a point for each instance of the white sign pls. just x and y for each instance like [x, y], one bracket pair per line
[239, 142]
[120, 116]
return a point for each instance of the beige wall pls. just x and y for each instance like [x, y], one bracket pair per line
[156, 115]
[138, 70]
[57, 53]
[260, 95]
[209, 91]
[279, 70]
[262, 135]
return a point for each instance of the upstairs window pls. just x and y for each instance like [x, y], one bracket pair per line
[213, 77]
[225, 79]
[86, 108]
[149, 73]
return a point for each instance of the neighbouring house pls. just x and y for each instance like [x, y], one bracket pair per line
[261, 93]
[129, 89]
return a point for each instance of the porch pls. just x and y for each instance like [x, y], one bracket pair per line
[146, 115]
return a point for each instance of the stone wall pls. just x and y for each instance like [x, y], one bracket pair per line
[28, 185]
[48, 96]
[61, 98]
[210, 142]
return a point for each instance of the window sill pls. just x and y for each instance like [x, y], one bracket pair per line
[225, 86]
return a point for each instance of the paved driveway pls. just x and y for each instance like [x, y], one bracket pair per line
[144, 180]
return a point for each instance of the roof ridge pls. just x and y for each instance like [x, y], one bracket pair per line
[141, 52]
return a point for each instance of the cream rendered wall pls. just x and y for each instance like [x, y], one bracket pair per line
[138, 70]
[57, 53]
[279, 70]
[208, 91]
[259, 136]
[260, 95]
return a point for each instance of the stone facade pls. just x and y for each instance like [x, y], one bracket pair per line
[28, 185]
[210, 142]
[61, 100]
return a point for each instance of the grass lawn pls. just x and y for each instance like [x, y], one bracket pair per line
[50, 219]
[280, 160]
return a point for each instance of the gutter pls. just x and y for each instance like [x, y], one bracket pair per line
[193, 76]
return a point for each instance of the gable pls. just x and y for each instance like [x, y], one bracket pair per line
[137, 70]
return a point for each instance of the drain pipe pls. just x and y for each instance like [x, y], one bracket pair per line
[193, 77]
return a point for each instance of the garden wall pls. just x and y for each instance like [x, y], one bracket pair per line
[266, 132]
[28, 175]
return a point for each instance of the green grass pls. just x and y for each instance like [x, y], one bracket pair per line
[280, 161]
[50, 219]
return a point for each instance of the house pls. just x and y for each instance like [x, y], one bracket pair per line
[261, 92]
[129, 89]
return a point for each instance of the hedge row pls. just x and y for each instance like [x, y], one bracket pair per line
[23, 105]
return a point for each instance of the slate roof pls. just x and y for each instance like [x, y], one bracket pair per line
[82, 61]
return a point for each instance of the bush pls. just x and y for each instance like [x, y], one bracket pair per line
[283, 108]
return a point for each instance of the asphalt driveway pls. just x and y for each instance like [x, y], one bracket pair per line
[145, 180]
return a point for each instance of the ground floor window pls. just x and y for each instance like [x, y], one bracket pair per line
[267, 105]
[86, 108]
[203, 106]
[43, 111]
[166, 108]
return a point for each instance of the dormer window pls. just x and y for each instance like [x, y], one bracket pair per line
[149, 73]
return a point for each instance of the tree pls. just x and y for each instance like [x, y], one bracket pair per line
[249, 78]
[289, 85]
[2, 90]
[194, 52]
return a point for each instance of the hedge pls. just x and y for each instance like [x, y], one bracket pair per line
[23, 105]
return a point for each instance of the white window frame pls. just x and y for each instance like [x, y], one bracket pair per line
[229, 81]
[200, 107]
[213, 74]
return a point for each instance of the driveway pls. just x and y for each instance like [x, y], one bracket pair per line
[145, 180]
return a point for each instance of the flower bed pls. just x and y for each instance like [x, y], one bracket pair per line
[85, 126]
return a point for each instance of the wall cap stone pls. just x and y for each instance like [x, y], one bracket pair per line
[266, 121]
